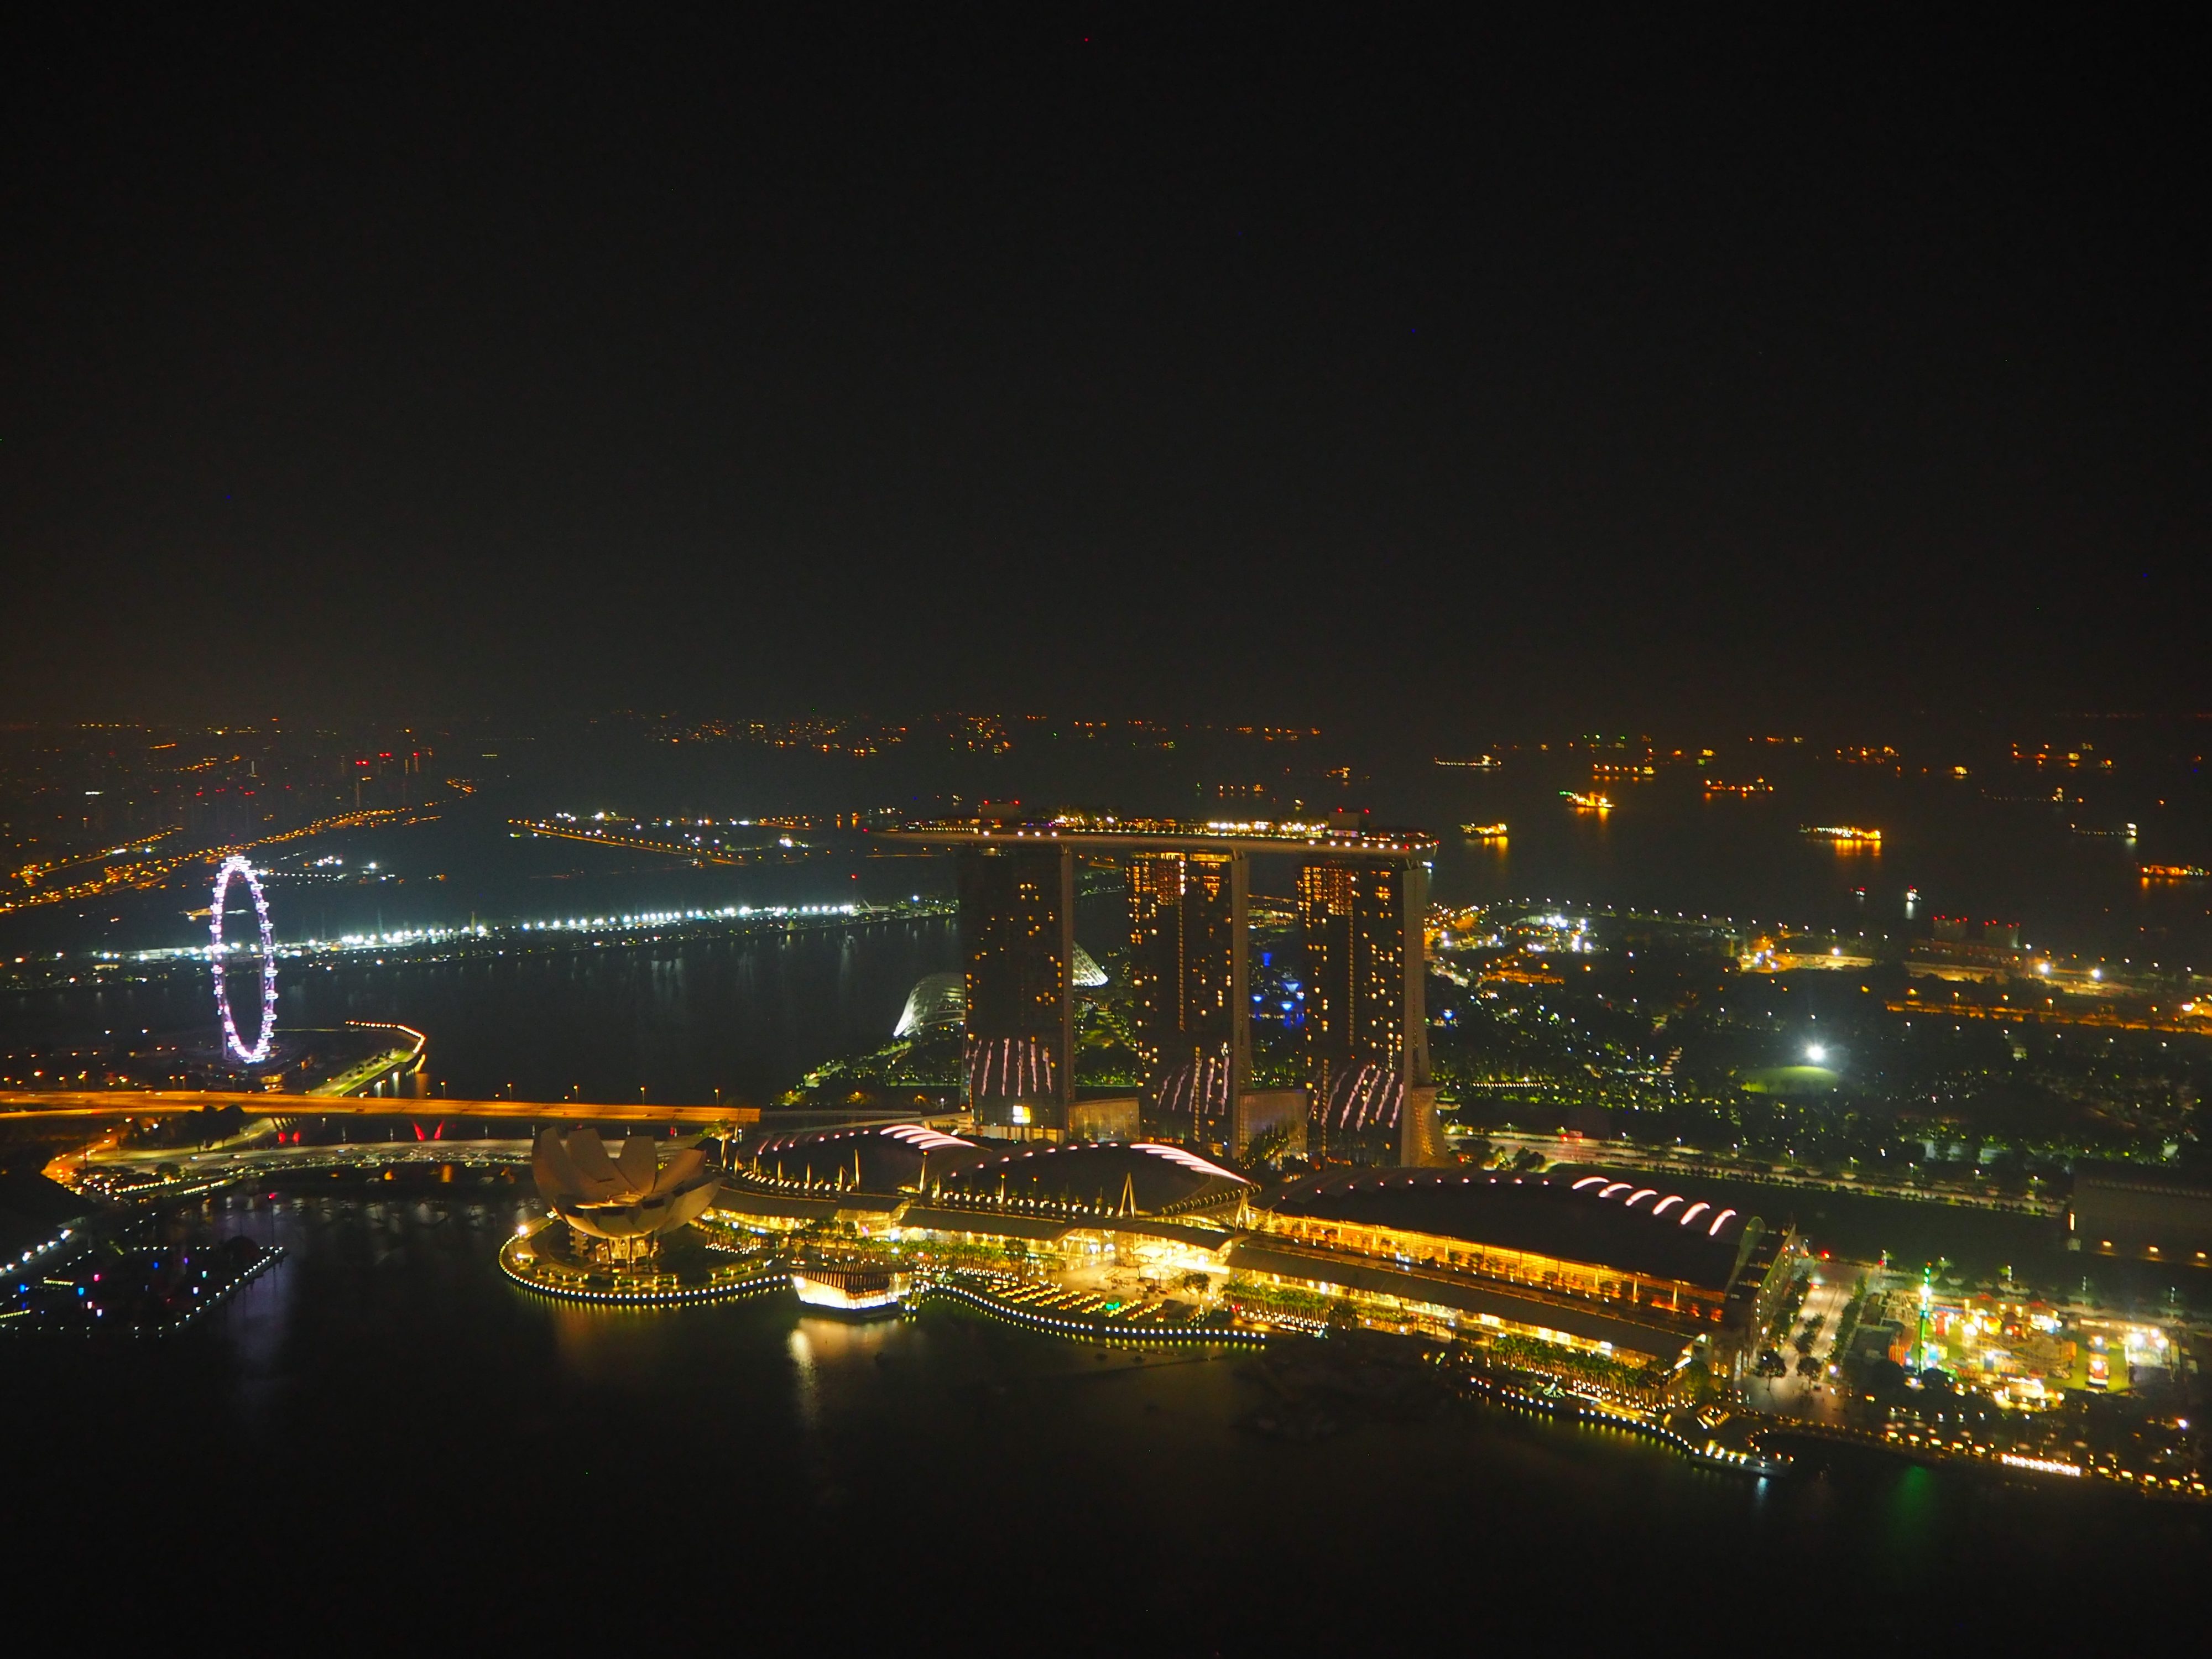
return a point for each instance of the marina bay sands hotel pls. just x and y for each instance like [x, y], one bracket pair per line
[1362, 897]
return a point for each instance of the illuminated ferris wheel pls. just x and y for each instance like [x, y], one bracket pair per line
[254, 1055]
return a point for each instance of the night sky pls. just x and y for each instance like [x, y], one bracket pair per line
[1337, 369]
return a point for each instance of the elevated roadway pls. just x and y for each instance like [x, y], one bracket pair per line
[64, 1106]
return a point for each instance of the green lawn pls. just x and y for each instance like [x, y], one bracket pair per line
[1787, 1079]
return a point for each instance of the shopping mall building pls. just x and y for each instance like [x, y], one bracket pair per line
[1592, 1260]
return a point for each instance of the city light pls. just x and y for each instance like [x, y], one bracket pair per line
[1220, 1210]
[400, 938]
[2041, 1465]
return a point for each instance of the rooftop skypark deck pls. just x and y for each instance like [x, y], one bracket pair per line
[1327, 837]
[1361, 906]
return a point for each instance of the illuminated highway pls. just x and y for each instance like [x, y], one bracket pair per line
[194, 1170]
[132, 869]
[27, 1106]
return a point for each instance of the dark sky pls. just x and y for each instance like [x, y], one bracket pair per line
[1318, 369]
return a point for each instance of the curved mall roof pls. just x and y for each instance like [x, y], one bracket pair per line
[1148, 1177]
[1142, 1177]
[877, 1158]
[1646, 1227]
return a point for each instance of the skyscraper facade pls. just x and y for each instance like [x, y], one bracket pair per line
[1365, 1021]
[1017, 931]
[1362, 898]
[1190, 1013]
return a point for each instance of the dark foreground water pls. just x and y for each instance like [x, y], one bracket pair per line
[380, 1441]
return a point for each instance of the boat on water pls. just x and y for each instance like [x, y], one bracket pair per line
[1483, 831]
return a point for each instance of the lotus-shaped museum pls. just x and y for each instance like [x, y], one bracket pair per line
[630, 1199]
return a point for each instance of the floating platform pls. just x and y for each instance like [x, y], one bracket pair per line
[856, 1292]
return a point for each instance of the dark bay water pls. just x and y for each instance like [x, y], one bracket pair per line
[745, 1013]
[381, 1436]
[749, 1014]
[1663, 848]
[464, 864]
[382, 1440]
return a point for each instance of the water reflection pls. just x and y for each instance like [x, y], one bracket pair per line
[806, 1391]
[386, 1381]
[747, 1014]
[1909, 1517]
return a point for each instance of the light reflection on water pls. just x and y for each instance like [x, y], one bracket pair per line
[386, 1385]
[747, 1015]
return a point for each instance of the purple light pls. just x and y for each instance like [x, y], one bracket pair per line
[236, 866]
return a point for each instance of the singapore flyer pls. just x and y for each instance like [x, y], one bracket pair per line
[259, 1052]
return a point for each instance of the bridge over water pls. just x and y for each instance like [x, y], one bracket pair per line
[67, 1107]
